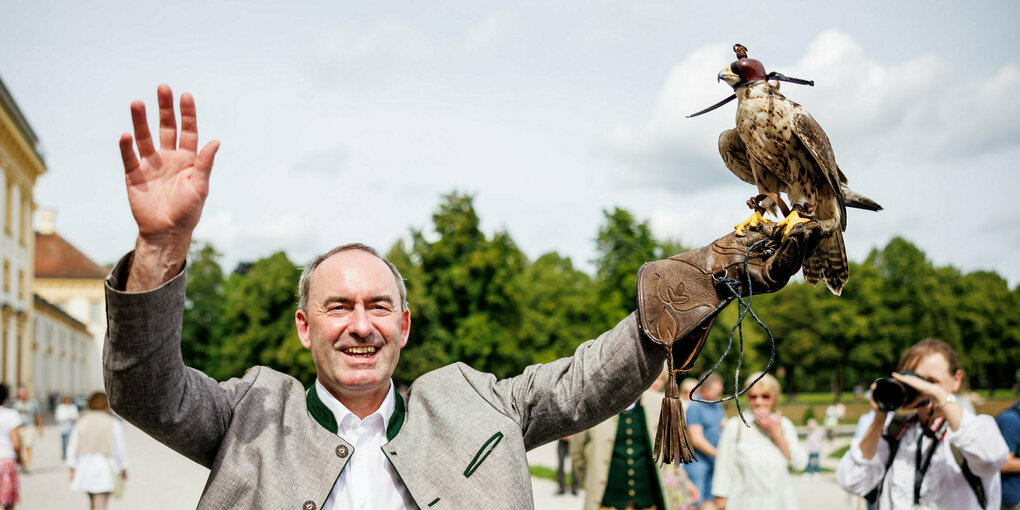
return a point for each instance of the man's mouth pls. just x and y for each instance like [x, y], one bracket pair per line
[362, 351]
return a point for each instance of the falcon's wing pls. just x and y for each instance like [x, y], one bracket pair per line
[734, 154]
[817, 143]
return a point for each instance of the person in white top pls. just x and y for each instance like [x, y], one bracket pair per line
[924, 472]
[752, 469]
[65, 414]
[10, 422]
[96, 453]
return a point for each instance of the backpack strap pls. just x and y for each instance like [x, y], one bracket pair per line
[973, 480]
[892, 436]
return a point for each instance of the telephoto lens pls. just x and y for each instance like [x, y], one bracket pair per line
[890, 394]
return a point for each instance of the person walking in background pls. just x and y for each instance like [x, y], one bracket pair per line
[815, 437]
[562, 453]
[704, 425]
[66, 414]
[96, 453]
[10, 423]
[1009, 425]
[752, 469]
[833, 414]
[31, 425]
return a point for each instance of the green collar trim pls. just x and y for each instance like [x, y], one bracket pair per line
[319, 411]
[324, 417]
[397, 418]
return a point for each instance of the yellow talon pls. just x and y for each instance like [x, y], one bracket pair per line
[753, 221]
[790, 221]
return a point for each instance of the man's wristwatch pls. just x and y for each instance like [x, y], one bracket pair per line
[949, 398]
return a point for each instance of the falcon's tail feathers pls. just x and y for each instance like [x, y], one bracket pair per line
[828, 263]
[854, 199]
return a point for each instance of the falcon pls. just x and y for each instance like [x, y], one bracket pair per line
[778, 147]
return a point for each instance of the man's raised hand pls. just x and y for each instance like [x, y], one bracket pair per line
[166, 188]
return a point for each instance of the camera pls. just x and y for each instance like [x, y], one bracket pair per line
[890, 394]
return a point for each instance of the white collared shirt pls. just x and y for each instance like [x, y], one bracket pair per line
[368, 481]
[943, 487]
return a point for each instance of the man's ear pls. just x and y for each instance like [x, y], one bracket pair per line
[301, 323]
[405, 327]
[957, 380]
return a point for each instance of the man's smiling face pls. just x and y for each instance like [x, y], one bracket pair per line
[354, 324]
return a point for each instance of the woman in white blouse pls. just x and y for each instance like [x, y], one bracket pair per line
[96, 453]
[752, 469]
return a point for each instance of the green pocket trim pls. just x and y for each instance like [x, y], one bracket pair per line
[483, 452]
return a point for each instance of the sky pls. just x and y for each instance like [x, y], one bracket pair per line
[347, 121]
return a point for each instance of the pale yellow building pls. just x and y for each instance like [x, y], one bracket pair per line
[70, 280]
[64, 357]
[21, 163]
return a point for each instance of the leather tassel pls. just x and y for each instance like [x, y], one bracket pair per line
[671, 440]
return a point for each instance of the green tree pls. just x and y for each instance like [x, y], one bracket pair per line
[258, 321]
[557, 306]
[623, 244]
[470, 310]
[202, 305]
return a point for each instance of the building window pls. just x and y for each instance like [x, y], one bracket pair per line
[94, 312]
[8, 210]
[26, 218]
[21, 284]
[7, 275]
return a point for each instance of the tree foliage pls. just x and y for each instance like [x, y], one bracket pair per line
[477, 299]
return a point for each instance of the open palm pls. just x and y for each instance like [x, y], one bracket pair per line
[166, 188]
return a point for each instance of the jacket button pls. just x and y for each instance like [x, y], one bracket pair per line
[341, 451]
[309, 505]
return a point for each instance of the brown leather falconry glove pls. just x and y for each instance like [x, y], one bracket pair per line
[679, 298]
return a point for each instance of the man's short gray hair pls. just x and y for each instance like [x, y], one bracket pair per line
[306, 274]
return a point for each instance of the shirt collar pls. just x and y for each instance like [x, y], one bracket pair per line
[340, 411]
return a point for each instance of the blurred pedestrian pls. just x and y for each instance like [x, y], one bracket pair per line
[815, 437]
[66, 414]
[753, 467]
[686, 386]
[704, 425]
[96, 453]
[1009, 425]
[562, 453]
[10, 445]
[31, 425]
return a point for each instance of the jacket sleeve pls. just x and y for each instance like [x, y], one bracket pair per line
[145, 376]
[575, 393]
[980, 442]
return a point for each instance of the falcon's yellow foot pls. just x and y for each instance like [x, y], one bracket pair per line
[790, 221]
[754, 220]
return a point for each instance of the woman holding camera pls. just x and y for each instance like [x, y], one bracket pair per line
[752, 468]
[939, 456]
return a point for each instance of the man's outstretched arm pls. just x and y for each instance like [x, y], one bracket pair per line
[166, 189]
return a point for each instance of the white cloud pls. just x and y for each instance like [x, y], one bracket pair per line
[346, 57]
[491, 32]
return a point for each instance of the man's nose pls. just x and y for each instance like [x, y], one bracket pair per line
[360, 325]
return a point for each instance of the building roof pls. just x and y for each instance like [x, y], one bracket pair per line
[8, 105]
[41, 304]
[57, 258]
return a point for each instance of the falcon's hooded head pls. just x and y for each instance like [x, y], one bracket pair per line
[743, 71]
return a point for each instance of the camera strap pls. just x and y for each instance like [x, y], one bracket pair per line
[921, 466]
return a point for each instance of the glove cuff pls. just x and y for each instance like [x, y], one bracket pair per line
[675, 299]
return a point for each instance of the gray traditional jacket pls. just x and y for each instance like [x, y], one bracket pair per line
[458, 442]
